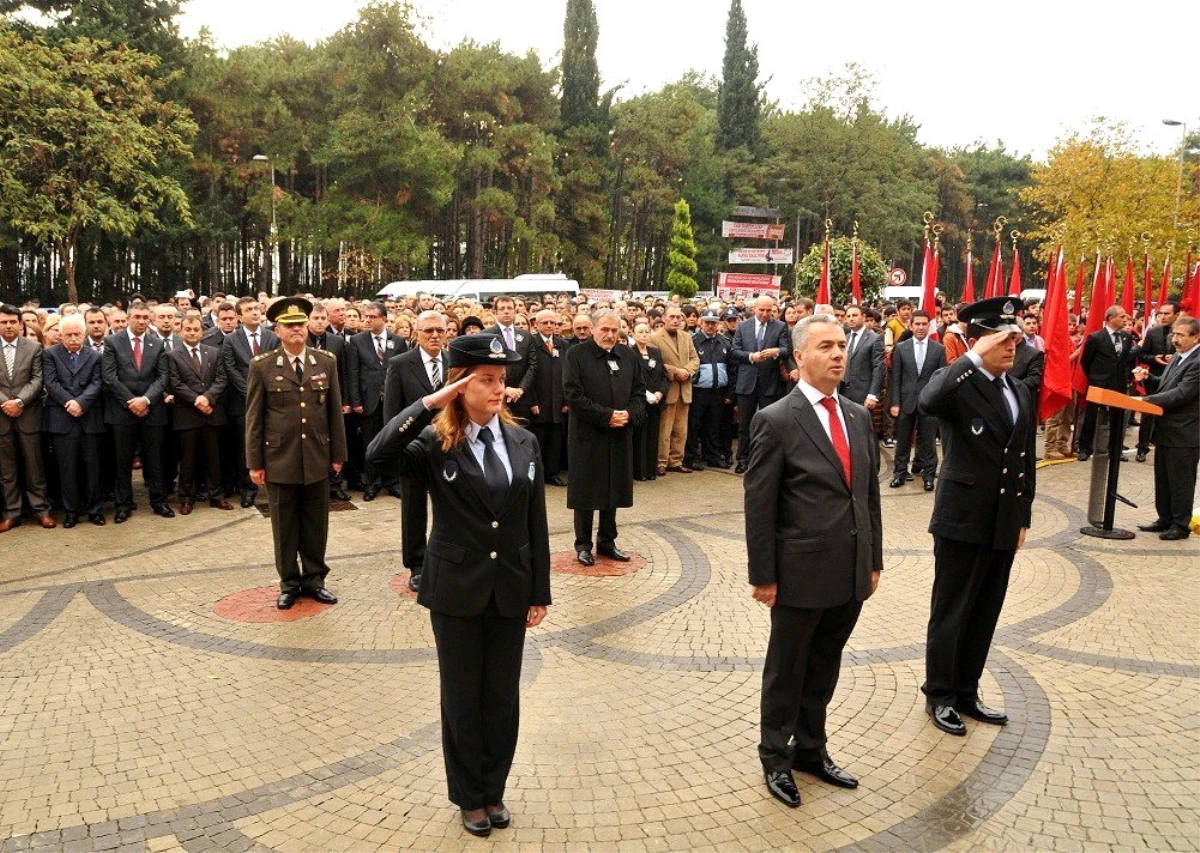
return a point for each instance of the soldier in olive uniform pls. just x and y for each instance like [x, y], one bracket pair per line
[294, 436]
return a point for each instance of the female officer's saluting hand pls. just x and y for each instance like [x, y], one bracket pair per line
[486, 576]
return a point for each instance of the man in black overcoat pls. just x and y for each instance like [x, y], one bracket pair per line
[546, 393]
[1108, 357]
[1156, 350]
[603, 386]
[982, 509]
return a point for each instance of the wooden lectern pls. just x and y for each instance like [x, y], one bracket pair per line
[1117, 404]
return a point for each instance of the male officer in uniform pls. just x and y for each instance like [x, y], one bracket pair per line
[294, 436]
[710, 386]
[982, 509]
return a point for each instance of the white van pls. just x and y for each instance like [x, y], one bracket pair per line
[913, 294]
[530, 286]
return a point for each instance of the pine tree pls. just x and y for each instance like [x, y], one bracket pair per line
[737, 101]
[681, 275]
[580, 73]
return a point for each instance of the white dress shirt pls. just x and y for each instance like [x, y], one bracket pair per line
[498, 444]
[815, 397]
[428, 360]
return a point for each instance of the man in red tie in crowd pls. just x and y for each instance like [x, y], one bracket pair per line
[814, 535]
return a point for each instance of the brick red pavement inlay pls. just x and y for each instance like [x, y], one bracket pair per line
[564, 562]
[258, 605]
[399, 584]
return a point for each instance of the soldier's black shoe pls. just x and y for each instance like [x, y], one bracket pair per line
[285, 600]
[324, 596]
[1175, 534]
[585, 557]
[163, 511]
[783, 788]
[976, 710]
[613, 553]
[946, 719]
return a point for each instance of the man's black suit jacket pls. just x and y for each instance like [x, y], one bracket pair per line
[366, 371]
[1104, 368]
[84, 384]
[237, 354]
[187, 384]
[906, 382]
[1178, 392]
[1029, 366]
[124, 382]
[407, 381]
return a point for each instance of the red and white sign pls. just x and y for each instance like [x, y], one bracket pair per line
[752, 230]
[897, 277]
[597, 294]
[731, 285]
[760, 256]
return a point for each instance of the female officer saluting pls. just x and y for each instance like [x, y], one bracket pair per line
[486, 576]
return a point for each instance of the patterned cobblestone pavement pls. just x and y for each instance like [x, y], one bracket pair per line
[137, 714]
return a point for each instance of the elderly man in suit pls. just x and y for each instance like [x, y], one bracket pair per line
[75, 420]
[237, 351]
[196, 378]
[20, 422]
[134, 366]
[982, 511]
[760, 346]
[1108, 358]
[548, 409]
[814, 537]
[681, 361]
[864, 361]
[411, 376]
[367, 355]
[1177, 432]
[914, 361]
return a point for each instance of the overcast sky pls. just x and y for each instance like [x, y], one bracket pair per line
[1023, 72]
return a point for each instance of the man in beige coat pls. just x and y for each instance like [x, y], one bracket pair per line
[681, 361]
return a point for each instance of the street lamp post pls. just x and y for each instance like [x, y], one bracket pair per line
[1170, 122]
[274, 248]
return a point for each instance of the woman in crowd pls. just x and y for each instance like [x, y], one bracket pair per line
[645, 436]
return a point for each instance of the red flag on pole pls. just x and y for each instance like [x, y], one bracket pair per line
[928, 274]
[1095, 319]
[1077, 303]
[989, 287]
[1147, 284]
[1165, 287]
[824, 290]
[968, 291]
[1127, 289]
[1014, 283]
[1056, 380]
[855, 278]
[1191, 294]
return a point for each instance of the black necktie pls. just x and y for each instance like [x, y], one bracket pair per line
[759, 335]
[299, 371]
[493, 472]
[74, 359]
[1000, 386]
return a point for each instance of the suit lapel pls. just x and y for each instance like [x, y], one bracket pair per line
[418, 368]
[518, 460]
[996, 400]
[807, 416]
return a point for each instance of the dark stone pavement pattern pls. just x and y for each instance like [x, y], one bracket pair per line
[135, 716]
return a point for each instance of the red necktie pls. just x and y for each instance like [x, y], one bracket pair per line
[254, 344]
[137, 353]
[840, 446]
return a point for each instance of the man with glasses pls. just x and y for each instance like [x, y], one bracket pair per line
[1156, 350]
[367, 355]
[412, 376]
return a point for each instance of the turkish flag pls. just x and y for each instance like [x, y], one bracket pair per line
[994, 274]
[928, 282]
[968, 291]
[1191, 294]
[855, 278]
[824, 296]
[1014, 283]
[1077, 303]
[1127, 290]
[1147, 283]
[1165, 287]
[1056, 380]
[1095, 319]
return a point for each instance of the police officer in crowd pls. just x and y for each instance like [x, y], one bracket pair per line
[486, 576]
[710, 387]
[294, 437]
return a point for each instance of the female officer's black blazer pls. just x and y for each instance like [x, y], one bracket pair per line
[472, 552]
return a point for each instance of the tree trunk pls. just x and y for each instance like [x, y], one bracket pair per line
[66, 254]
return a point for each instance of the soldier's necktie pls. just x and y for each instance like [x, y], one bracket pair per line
[1000, 386]
[137, 353]
[838, 435]
[299, 369]
[436, 368]
[493, 472]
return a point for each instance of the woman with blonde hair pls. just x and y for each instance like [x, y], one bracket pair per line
[486, 574]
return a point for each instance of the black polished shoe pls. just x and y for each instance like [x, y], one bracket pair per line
[323, 595]
[163, 511]
[585, 557]
[370, 493]
[481, 828]
[395, 492]
[339, 495]
[976, 710]
[122, 516]
[897, 481]
[613, 553]
[556, 481]
[1175, 534]
[741, 468]
[908, 476]
[720, 466]
[783, 788]
[285, 600]
[928, 484]
[247, 500]
[1141, 456]
[1084, 455]
[414, 581]
[70, 520]
[499, 816]
[1156, 527]
[946, 719]
[827, 771]
[96, 518]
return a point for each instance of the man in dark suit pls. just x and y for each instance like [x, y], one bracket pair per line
[410, 377]
[226, 324]
[237, 351]
[1108, 357]
[523, 374]
[1156, 350]
[603, 385]
[760, 346]
[75, 420]
[367, 355]
[814, 537]
[547, 412]
[196, 378]
[134, 367]
[1029, 364]
[982, 511]
[1176, 433]
[20, 423]
[864, 361]
[322, 337]
[294, 436]
[914, 361]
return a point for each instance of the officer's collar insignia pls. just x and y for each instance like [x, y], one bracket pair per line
[312, 359]
[977, 426]
[496, 349]
[279, 361]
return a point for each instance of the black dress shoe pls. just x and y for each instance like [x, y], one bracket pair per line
[783, 788]
[586, 558]
[827, 771]
[976, 710]
[370, 493]
[499, 816]
[928, 485]
[70, 520]
[946, 719]
[96, 518]
[695, 466]
[395, 492]
[908, 476]
[285, 600]
[324, 596]
[1175, 534]
[339, 495]
[1156, 527]
[897, 481]
[414, 581]
[1141, 456]
[555, 481]
[122, 516]
[1084, 455]
[163, 511]
[741, 468]
[613, 553]
[481, 828]
[720, 466]
[247, 500]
